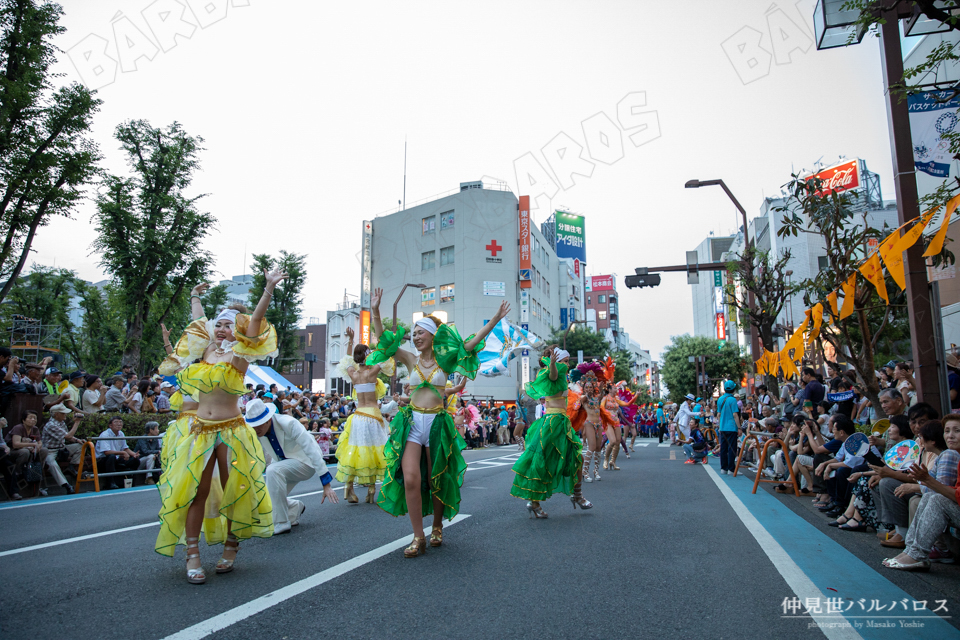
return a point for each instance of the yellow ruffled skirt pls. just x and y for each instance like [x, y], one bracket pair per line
[244, 499]
[360, 453]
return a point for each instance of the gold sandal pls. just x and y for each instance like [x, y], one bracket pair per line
[224, 565]
[416, 548]
[194, 576]
[436, 537]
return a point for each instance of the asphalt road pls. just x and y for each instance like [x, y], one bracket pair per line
[665, 553]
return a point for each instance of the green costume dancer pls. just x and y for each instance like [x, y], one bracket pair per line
[425, 466]
[553, 455]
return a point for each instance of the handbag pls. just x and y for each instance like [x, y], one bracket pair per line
[33, 470]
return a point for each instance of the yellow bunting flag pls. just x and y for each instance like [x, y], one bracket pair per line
[892, 248]
[849, 291]
[761, 364]
[936, 245]
[832, 300]
[872, 270]
[816, 313]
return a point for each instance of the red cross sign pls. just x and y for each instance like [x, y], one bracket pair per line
[493, 248]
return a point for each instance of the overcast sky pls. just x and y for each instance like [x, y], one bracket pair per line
[304, 106]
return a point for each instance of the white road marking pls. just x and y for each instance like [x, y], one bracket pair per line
[643, 444]
[665, 444]
[795, 578]
[77, 539]
[244, 611]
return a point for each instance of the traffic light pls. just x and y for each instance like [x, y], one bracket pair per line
[642, 279]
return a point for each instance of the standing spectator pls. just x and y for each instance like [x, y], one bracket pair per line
[390, 408]
[906, 385]
[132, 380]
[764, 399]
[728, 414]
[113, 454]
[55, 437]
[162, 402]
[94, 395]
[134, 400]
[52, 381]
[9, 367]
[114, 398]
[148, 451]
[503, 432]
[33, 380]
[812, 390]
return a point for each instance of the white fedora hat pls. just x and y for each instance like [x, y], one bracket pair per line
[258, 412]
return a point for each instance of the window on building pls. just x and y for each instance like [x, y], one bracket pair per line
[335, 326]
[546, 286]
[822, 263]
[446, 256]
[446, 293]
[428, 297]
[429, 224]
[601, 299]
[588, 299]
[446, 220]
[428, 260]
[303, 342]
[335, 352]
[601, 315]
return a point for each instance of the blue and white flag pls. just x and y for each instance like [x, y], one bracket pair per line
[930, 119]
[502, 346]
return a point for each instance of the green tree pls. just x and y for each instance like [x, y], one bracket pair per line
[581, 338]
[285, 308]
[96, 344]
[679, 374]
[46, 158]
[150, 233]
[214, 299]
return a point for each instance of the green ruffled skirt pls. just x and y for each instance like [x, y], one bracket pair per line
[447, 465]
[550, 461]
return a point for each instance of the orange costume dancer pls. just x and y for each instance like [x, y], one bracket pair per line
[609, 417]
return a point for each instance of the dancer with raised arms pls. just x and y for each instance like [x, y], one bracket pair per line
[424, 458]
[214, 356]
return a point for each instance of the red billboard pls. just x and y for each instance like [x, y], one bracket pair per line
[840, 177]
[526, 266]
[601, 283]
[721, 327]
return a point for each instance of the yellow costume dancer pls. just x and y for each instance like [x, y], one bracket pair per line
[360, 454]
[244, 499]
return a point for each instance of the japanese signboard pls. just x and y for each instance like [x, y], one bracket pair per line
[525, 248]
[570, 236]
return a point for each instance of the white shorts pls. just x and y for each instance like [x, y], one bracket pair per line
[420, 429]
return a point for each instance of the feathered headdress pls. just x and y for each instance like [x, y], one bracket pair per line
[593, 367]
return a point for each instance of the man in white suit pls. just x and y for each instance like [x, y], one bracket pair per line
[295, 457]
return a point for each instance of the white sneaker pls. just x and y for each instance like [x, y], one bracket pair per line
[770, 473]
[723, 472]
[587, 479]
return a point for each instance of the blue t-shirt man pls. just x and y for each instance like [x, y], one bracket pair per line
[727, 408]
[698, 409]
[660, 417]
[504, 418]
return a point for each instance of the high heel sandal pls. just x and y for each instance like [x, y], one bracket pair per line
[536, 511]
[194, 576]
[436, 537]
[371, 491]
[416, 548]
[349, 494]
[224, 565]
[581, 502]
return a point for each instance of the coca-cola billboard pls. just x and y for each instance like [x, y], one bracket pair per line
[840, 177]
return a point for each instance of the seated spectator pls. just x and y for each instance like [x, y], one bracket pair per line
[114, 399]
[57, 436]
[696, 449]
[920, 413]
[891, 403]
[25, 440]
[33, 380]
[893, 509]
[148, 451]
[113, 454]
[94, 395]
[162, 401]
[835, 472]
[938, 508]
[6, 468]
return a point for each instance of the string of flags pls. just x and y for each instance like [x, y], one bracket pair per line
[889, 255]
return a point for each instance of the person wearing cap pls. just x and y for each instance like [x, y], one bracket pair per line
[33, 379]
[162, 401]
[295, 457]
[684, 413]
[728, 412]
[57, 436]
[661, 418]
[52, 380]
[77, 382]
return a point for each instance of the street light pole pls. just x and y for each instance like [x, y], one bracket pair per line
[756, 347]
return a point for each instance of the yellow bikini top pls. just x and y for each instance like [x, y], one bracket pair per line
[204, 377]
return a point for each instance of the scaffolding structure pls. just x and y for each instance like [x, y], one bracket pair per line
[31, 340]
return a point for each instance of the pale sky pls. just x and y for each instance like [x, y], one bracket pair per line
[304, 106]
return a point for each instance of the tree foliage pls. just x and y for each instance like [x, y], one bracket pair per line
[46, 158]
[213, 300]
[286, 305]
[679, 374]
[150, 232]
